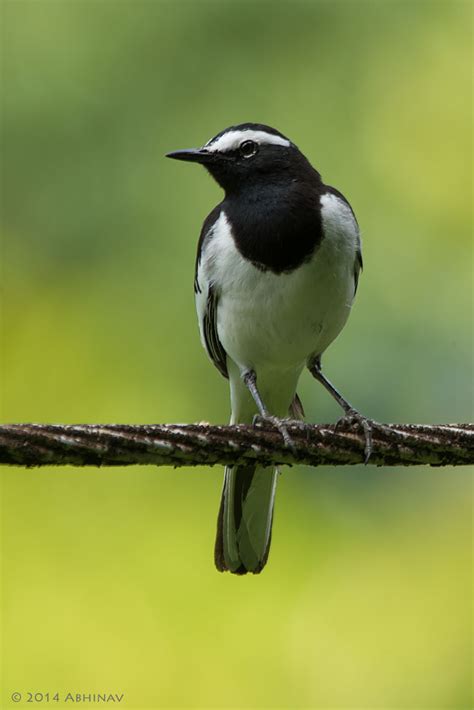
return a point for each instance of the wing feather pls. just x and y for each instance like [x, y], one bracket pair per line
[207, 298]
[211, 337]
[358, 266]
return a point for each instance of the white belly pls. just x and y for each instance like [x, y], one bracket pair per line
[268, 321]
[265, 319]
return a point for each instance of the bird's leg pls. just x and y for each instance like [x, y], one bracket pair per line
[250, 379]
[351, 414]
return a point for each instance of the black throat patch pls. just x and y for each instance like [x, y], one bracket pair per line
[276, 227]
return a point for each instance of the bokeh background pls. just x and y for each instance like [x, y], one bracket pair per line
[108, 581]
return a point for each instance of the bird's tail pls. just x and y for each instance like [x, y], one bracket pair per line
[244, 525]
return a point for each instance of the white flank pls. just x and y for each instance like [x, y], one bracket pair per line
[338, 220]
[232, 140]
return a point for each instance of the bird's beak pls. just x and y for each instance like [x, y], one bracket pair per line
[192, 155]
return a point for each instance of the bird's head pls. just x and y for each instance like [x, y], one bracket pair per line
[248, 154]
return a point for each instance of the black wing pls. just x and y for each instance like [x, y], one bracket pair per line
[213, 345]
[358, 266]
[209, 222]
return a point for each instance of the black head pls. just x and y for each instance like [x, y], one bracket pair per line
[250, 153]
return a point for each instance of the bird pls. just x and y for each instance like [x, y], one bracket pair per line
[276, 273]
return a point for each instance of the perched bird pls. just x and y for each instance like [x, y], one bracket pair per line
[277, 268]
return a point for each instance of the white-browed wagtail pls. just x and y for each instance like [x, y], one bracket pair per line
[277, 269]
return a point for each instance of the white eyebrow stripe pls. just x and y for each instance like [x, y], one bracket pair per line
[232, 139]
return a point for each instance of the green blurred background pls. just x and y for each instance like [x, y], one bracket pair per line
[108, 578]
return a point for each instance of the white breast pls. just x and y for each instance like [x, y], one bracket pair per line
[276, 321]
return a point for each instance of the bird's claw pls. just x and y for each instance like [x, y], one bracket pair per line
[280, 424]
[353, 416]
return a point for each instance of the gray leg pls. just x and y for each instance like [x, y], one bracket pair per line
[250, 379]
[351, 413]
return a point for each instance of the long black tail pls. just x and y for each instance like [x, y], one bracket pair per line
[244, 525]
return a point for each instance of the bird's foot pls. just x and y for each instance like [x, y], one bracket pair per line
[352, 416]
[281, 425]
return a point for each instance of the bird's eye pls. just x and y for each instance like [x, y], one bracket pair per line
[248, 148]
